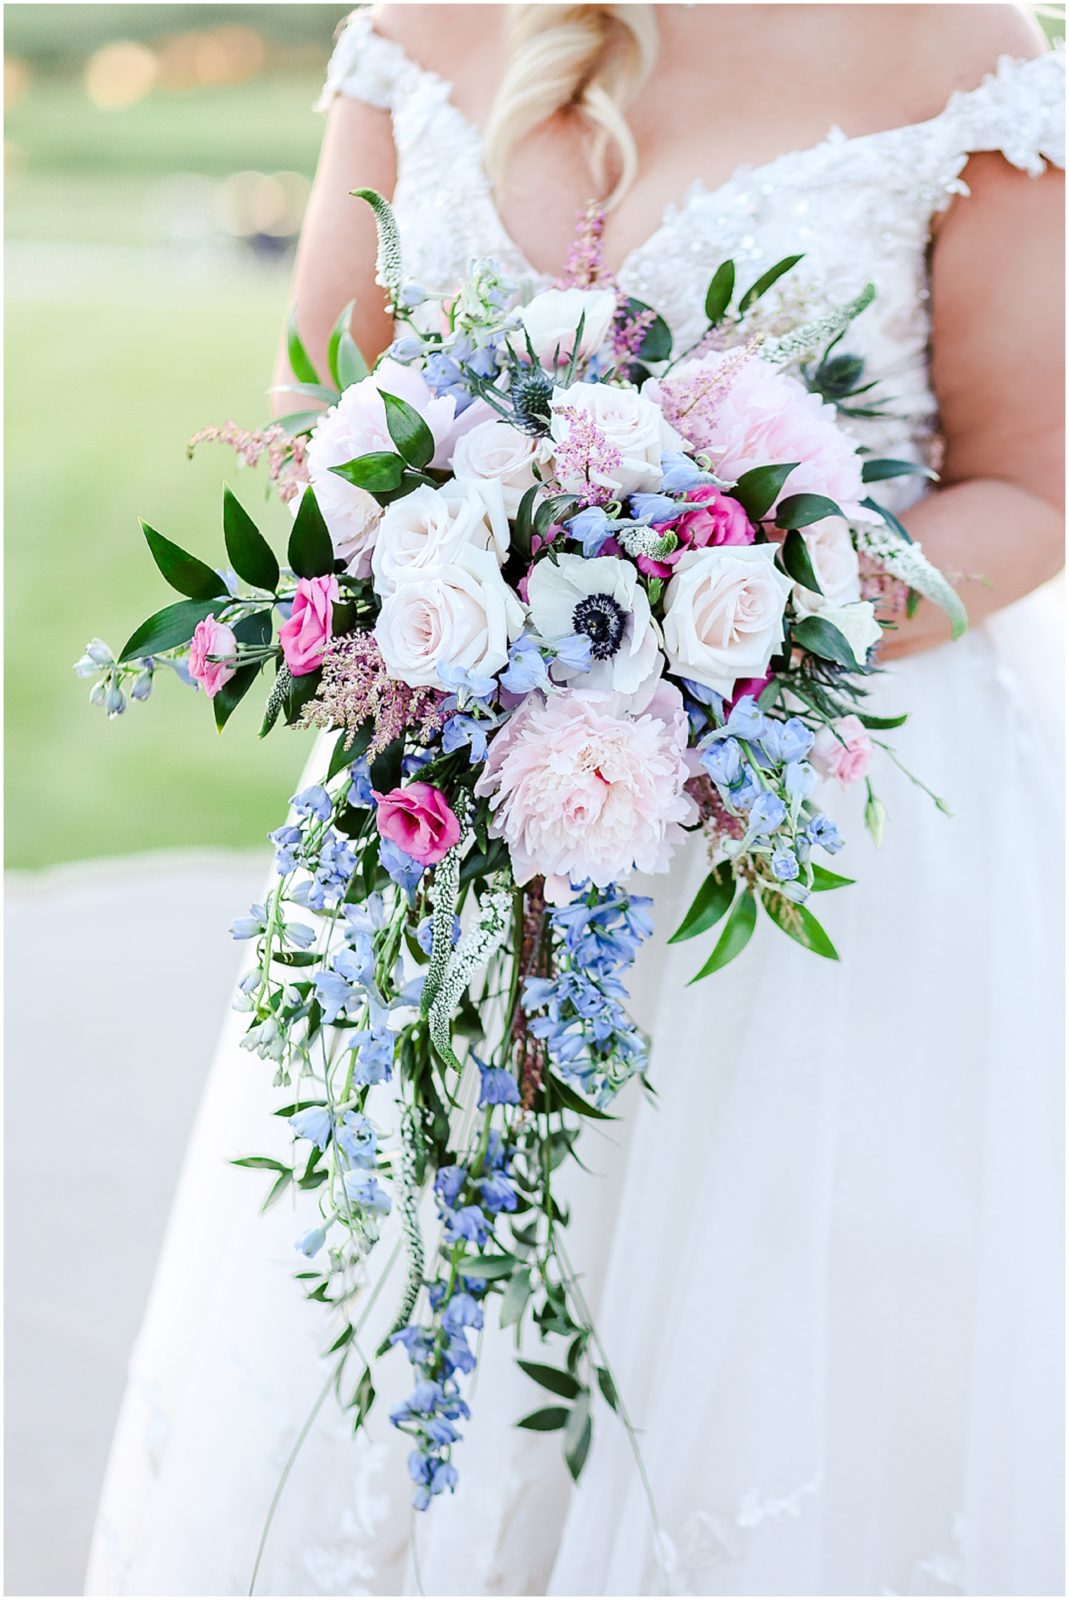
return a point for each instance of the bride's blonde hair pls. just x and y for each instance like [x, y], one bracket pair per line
[591, 60]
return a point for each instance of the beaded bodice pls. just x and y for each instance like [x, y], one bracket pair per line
[859, 208]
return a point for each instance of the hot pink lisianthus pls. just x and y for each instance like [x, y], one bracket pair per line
[584, 786]
[304, 638]
[716, 520]
[843, 751]
[419, 821]
[743, 413]
[212, 639]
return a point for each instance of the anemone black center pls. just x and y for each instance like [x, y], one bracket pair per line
[603, 620]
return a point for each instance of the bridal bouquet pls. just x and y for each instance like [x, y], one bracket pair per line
[560, 597]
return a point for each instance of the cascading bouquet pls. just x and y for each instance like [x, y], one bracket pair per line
[560, 598]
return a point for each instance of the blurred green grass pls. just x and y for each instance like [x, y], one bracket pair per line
[120, 343]
[101, 401]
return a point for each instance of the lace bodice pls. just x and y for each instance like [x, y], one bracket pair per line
[860, 208]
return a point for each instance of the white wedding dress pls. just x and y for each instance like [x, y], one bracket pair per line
[827, 1264]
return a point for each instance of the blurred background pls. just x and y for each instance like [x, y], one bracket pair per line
[157, 159]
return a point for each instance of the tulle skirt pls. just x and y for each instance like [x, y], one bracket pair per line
[825, 1264]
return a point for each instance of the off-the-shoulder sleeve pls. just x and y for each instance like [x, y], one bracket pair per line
[1018, 110]
[365, 66]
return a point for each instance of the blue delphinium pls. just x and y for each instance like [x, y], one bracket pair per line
[469, 1197]
[578, 1012]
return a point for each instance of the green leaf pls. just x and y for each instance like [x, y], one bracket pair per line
[378, 472]
[552, 1378]
[229, 697]
[554, 1094]
[867, 720]
[408, 431]
[757, 489]
[719, 293]
[766, 280]
[311, 554]
[339, 330]
[800, 923]
[822, 638]
[343, 755]
[352, 368]
[876, 470]
[249, 553]
[267, 1163]
[608, 1388]
[300, 361]
[165, 629]
[488, 1267]
[710, 903]
[799, 510]
[577, 1436]
[299, 421]
[735, 937]
[794, 553]
[823, 879]
[276, 1191]
[363, 1399]
[548, 1420]
[183, 572]
[517, 1293]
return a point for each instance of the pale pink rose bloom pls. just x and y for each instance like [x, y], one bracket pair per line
[581, 788]
[211, 638]
[417, 819]
[355, 427]
[304, 638]
[842, 751]
[761, 417]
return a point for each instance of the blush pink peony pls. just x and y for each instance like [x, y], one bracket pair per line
[716, 520]
[418, 820]
[583, 787]
[842, 751]
[304, 638]
[748, 414]
[212, 639]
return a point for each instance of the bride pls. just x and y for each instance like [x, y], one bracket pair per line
[826, 1264]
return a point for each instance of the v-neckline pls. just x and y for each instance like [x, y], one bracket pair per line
[698, 191]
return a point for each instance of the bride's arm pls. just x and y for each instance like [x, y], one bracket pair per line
[996, 524]
[336, 253]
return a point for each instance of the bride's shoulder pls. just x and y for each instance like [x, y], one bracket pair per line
[440, 37]
[955, 47]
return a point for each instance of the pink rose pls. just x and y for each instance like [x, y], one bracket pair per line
[842, 751]
[210, 640]
[747, 686]
[304, 638]
[717, 520]
[418, 820]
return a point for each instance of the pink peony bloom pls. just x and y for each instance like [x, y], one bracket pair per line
[418, 820]
[717, 520]
[745, 413]
[212, 639]
[584, 787]
[304, 638]
[842, 751]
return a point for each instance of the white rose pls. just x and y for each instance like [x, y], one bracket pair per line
[352, 515]
[626, 421]
[430, 528]
[857, 624]
[834, 561]
[496, 451]
[551, 320]
[603, 598]
[723, 616]
[463, 615]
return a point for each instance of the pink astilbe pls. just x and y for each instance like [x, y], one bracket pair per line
[584, 267]
[889, 594]
[583, 455]
[690, 400]
[286, 466]
[628, 334]
[356, 688]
